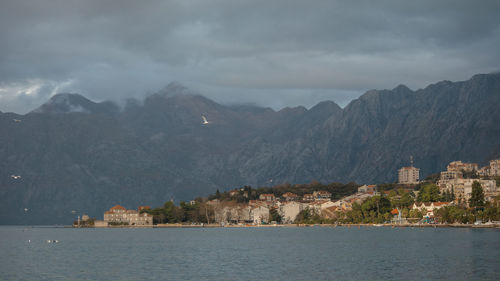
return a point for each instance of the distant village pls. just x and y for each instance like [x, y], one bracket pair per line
[407, 202]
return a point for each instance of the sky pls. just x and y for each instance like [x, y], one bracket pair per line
[268, 53]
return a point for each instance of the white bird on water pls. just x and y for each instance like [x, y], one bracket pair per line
[205, 121]
[15, 177]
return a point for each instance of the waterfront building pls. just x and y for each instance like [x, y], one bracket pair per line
[428, 208]
[259, 215]
[289, 211]
[118, 214]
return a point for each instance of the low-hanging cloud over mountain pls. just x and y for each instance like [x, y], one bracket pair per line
[274, 53]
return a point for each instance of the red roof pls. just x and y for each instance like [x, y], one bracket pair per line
[118, 207]
[395, 212]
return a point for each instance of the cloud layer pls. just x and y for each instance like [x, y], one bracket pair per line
[272, 53]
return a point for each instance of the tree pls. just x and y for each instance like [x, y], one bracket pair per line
[304, 216]
[429, 193]
[477, 195]
[274, 215]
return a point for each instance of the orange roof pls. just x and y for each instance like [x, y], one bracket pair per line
[332, 208]
[395, 212]
[440, 203]
[143, 208]
[270, 194]
[118, 207]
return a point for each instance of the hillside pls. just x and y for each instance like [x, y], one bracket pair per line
[77, 155]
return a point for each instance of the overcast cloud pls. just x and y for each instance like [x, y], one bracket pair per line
[272, 53]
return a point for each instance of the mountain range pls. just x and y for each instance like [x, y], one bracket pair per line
[72, 155]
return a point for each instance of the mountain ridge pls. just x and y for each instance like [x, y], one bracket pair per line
[161, 148]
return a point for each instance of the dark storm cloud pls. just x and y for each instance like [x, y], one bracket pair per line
[273, 53]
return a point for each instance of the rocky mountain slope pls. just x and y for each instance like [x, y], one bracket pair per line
[77, 155]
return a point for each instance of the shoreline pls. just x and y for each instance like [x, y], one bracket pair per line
[497, 226]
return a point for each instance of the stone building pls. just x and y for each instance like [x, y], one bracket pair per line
[118, 214]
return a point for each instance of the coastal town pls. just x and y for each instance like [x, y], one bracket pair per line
[463, 194]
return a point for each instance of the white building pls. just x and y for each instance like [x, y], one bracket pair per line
[289, 211]
[259, 215]
[462, 188]
[408, 175]
[429, 207]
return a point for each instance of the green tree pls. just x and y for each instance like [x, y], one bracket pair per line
[304, 216]
[429, 193]
[477, 195]
[274, 215]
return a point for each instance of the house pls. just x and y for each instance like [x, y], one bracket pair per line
[119, 215]
[459, 166]
[322, 195]
[267, 197]
[428, 207]
[308, 197]
[318, 206]
[343, 204]
[234, 192]
[288, 196]
[367, 188]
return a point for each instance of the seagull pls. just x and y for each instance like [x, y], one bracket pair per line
[25, 210]
[16, 120]
[15, 177]
[205, 121]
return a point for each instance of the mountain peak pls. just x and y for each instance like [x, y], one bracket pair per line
[69, 103]
[174, 88]
[402, 89]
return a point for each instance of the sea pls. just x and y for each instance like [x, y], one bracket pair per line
[266, 253]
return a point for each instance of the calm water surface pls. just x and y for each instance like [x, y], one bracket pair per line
[320, 253]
